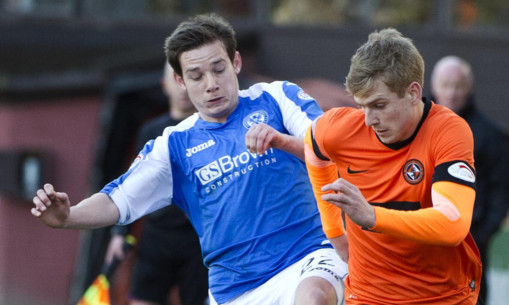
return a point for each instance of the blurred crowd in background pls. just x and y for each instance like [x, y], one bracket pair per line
[463, 14]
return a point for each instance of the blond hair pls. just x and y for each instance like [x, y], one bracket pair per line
[389, 57]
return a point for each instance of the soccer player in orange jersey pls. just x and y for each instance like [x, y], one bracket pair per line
[406, 183]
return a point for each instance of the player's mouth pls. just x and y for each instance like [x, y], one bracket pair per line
[381, 132]
[215, 100]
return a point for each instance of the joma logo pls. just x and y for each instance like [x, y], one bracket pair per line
[199, 147]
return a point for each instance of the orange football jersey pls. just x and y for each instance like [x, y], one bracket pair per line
[418, 252]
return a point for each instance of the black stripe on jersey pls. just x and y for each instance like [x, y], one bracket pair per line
[442, 174]
[399, 205]
[396, 205]
[316, 149]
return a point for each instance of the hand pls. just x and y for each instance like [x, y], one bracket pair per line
[52, 208]
[351, 201]
[261, 137]
[115, 248]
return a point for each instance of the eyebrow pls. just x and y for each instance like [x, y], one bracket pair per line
[220, 60]
[214, 63]
[376, 100]
[192, 69]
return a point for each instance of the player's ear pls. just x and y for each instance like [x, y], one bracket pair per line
[179, 80]
[414, 92]
[237, 62]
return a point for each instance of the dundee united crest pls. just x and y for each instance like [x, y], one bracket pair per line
[256, 117]
[413, 171]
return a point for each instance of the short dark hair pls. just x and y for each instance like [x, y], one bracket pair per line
[196, 32]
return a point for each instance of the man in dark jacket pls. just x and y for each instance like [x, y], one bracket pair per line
[452, 84]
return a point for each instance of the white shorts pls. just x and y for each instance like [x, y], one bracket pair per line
[281, 288]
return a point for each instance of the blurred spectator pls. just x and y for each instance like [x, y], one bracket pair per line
[336, 12]
[452, 84]
[169, 251]
[310, 12]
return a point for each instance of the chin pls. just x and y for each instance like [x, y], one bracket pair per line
[387, 140]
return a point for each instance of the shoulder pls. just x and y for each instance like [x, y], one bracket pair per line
[256, 90]
[296, 108]
[451, 136]
[276, 89]
[339, 121]
[348, 115]
[443, 120]
[185, 125]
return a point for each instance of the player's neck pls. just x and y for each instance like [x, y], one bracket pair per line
[178, 114]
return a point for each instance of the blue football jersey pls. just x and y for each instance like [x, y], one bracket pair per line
[255, 214]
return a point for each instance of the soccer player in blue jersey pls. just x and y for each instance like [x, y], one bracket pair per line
[236, 169]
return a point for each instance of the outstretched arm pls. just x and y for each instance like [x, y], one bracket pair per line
[54, 210]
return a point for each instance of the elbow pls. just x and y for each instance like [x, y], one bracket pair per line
[454, 239]
[456, 233]
[453, 227]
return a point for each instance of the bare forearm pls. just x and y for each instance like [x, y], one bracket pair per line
[340, 244]
[261, 137]
[94, 212]
[293, 145]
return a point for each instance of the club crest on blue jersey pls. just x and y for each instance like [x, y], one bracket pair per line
[257, 117]
[413, 171]
[303, 95]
